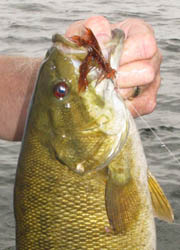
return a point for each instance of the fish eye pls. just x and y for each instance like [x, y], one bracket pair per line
[61, 89]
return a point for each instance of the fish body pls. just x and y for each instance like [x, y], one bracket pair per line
[82, 177]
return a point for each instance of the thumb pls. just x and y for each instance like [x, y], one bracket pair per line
[100, 27]
[98, 24]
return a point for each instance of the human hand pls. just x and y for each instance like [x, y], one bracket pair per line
[139, 64]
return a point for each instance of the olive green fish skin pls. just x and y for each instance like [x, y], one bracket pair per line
[59, 208]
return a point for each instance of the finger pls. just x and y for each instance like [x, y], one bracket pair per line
[102, 31]
[145, 103]
[75, 28]
[100, 27]
[140, 43]
[139, 73]
[98, 24]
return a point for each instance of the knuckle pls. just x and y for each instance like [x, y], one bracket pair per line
[150, 74]
[141, 22]
[149, 45]
[151, 105]
[137, 21]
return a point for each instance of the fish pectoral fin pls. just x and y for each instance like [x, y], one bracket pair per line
[122, 204]
[161, 207]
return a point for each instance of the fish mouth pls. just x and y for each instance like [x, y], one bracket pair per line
[69, 47]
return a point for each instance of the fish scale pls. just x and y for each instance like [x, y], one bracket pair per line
[71, 207]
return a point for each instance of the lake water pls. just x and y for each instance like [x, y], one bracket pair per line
[26, 28]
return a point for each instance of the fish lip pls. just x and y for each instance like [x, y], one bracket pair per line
[68, 47]
[70, 50]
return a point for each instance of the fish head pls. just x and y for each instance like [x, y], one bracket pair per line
[84, 128]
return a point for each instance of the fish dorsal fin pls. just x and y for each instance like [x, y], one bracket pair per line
[161, 207]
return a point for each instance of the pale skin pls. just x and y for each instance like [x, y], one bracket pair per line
[139, 66]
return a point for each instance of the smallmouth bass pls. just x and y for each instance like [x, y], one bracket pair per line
[82, 180]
